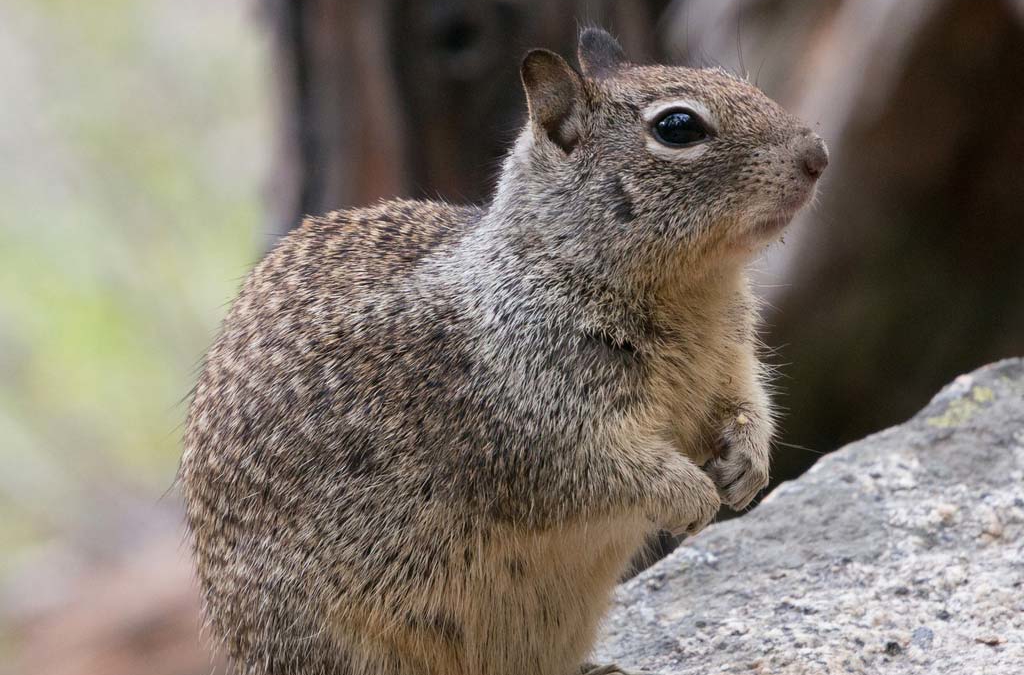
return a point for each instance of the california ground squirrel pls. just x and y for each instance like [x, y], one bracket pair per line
[430, 438]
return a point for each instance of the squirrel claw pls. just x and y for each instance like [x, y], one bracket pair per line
[740, 471]
[738, 480]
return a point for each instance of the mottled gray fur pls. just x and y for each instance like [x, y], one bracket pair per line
[430, 437]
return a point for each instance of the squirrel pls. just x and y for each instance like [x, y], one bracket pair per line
[430, 438]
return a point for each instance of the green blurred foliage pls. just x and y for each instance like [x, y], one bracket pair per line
[133, 144]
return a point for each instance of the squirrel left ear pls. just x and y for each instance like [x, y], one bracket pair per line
[599, 53]
[554, 93]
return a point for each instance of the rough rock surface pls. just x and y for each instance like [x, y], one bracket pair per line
[901, 553]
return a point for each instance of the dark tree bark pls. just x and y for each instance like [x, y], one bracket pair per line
[406, 98]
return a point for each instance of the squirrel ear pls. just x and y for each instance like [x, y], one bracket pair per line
[600, 54]
[554, 92]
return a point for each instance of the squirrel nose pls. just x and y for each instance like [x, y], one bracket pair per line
[813, 155]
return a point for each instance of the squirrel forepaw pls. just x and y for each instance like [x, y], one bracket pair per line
[693, 503]
[740, 469]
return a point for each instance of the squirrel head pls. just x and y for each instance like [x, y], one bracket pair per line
[645, 166]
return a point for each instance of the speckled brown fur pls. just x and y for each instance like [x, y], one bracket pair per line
[430, 438]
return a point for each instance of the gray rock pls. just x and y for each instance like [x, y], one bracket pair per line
[901, 553]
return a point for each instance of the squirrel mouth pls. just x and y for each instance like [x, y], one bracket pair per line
[775, 224]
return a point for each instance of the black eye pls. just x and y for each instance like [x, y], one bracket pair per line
[677, 128]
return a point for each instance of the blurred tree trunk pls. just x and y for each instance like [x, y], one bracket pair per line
[407, 98]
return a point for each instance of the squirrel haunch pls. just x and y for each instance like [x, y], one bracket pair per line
[430, 438]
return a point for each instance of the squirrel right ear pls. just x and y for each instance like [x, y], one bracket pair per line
[600, 54]
[554, 94]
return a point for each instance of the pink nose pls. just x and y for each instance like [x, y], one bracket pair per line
[812, 155]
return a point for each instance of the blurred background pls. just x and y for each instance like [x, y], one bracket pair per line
[152, 150]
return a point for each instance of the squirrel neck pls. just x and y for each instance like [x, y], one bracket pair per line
[550, 239]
